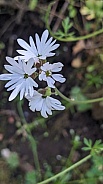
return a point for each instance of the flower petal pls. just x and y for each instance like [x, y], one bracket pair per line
[44, 36]
[50, 82]
[58, 77]
[14, 93]
[23, 44]
[33, 47]
[56, 67]
[38, 43]
[44, 109]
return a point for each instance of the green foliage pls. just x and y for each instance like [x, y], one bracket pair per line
[96, 170]
[48, 171]
[66, 25]
[72, 10]
[90, 68]
[33, 4]
[30, 177]
[101, 57]
[13, 160]
[95, 148]
[2, 45]
[94, 75]
[93, 9]
[76, 142]
[63, 179]
[77, 94]
[94, 80]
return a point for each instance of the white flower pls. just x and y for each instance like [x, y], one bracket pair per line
[19, 77]
[41, 50]
[47, 73]
[44, 105]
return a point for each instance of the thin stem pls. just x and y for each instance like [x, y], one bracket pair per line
[68, 162]
[66, 170]
[73, 101]
[71, 39]
[30, 138]
[67, 39]
[20, 111]
[85, 180]
[35, 154]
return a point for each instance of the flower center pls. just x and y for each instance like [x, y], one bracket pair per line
[26, 76]
[39, 55]
[48, 73]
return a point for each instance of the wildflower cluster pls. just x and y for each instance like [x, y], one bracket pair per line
[30, 65]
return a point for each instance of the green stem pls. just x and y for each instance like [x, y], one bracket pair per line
[68, 162]
[35, 155]
[67, 39]
[71, 39]
[73, 101]
[20, 111]
[30, 138]
[66, 170]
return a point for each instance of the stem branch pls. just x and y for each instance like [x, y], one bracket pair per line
[30, 138]
[73, 101]
[66, 170]
[68, 38]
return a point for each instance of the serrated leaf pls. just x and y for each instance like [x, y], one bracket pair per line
[87, 142]
[66, 24]
[98, 142]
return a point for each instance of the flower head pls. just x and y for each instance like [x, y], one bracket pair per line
[47, 73]
[19, 78]
[44, 105]
[41, 50]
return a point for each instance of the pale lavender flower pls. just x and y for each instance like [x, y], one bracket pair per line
[19, 77]
[48, 76]
[44, 104]
[41, 50]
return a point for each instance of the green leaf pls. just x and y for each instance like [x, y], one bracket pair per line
[98, 146]
[72, 13]
[77, 95]
[33, 4]
[66, 24]
[88, 142]
[13, 160]
[2, 45]
[30, 177]
[86, 149]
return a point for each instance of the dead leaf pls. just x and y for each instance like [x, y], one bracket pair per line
[1, 136]
[80, 45]
[76, 62]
